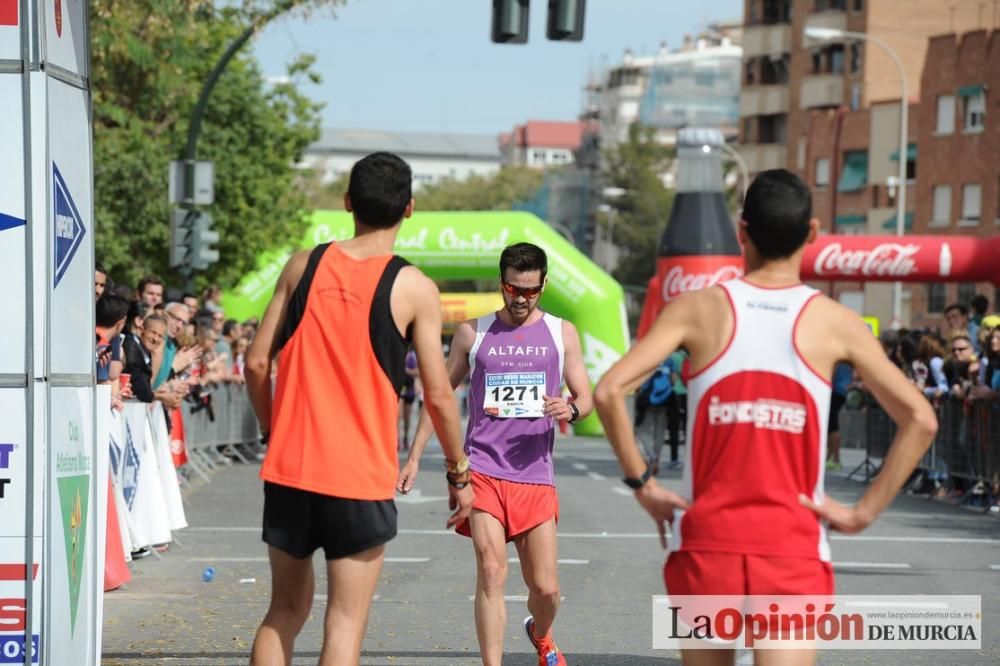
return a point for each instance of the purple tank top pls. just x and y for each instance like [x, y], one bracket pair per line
[512, 367]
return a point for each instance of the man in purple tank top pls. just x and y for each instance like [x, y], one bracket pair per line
[517, 359]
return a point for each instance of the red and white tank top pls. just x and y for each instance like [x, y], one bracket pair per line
[756, 424]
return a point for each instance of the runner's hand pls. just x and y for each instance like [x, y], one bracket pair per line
[460, 500]
[660, 503]
[840, 517]
[557, 408]
[407, 475]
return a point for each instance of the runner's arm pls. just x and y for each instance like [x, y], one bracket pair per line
[666, 335]
[457, 367]
[258, 357]
[575, 374]
[912, 413]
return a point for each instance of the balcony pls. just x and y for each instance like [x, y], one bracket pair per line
[763, 100]
[821, 90]
[829, 18]
[761, 40]
[762, 156]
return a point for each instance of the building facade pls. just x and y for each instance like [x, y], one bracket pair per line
[540, 144]
[786, 77]
[958, 150]
[432, 156]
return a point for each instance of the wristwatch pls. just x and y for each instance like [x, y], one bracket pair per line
[635, 483]
[461, 467]
[576, 412]
[458, 484]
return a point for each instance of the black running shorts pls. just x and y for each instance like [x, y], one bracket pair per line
[298, 522]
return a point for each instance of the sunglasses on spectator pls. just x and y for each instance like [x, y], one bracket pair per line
[960, 349]
[527, 292]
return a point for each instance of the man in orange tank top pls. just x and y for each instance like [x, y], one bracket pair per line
[341, 319]
[752, 516]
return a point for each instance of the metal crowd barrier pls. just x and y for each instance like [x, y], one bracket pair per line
[216, 431]
[967, 445]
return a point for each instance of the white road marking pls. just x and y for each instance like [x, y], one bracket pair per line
[995, 567]
[580, 466]
[227, 559]
[567, 561]
[652, 535]
[871, 565]
[512, 597]
[144, 596]
[405, 560]
[624, 492]
[596, 477]
[322, 597]
[415, 497]
[746, 657]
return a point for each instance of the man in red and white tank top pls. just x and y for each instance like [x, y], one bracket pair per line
[752, 516]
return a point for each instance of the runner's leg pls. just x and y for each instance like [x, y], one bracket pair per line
[351, 584]
[490, 543]
[537, 550]
[292, 584]
[804, 657]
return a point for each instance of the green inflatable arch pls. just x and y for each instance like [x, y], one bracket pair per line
[466, 246]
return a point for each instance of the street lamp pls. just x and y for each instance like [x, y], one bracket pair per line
[833, 34]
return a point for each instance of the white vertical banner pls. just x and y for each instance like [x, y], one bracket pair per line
[74, 529]
[168, 473]
[10, 32]
[65, 30]
[71, 229]
[12, 220]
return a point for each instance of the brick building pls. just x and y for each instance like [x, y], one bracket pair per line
[785, 78]
[958, 147]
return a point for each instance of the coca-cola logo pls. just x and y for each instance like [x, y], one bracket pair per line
[677, 282]
[886, 259]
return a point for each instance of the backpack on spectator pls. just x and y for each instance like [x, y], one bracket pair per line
[657, 388]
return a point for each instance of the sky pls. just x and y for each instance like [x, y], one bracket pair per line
[429, 65]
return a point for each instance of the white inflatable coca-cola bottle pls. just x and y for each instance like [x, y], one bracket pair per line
[699, 247]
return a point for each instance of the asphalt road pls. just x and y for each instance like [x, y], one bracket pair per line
[610, 565]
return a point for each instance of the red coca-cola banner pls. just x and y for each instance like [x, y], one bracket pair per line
[906, 259]
[837, 257]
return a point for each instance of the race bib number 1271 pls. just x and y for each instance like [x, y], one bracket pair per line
[515, 395]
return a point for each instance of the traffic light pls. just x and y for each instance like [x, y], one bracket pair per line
[181, 222]
[202, 238]
[510, 21]
[565, 21]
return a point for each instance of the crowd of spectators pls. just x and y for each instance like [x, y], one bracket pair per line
[154, 343]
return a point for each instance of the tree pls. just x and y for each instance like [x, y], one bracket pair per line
[640, 214]
[149, 60]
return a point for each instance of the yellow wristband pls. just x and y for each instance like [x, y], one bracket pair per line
[461, 467]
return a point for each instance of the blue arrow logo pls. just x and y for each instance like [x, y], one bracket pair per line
[68, 229]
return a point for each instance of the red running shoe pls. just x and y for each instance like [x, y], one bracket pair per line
[548, 653]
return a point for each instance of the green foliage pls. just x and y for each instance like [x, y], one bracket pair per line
[150, 59]
[641, 213]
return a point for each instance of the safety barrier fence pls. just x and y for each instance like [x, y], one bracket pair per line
[965, 453]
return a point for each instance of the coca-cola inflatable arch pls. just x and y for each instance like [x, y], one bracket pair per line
[836, 257]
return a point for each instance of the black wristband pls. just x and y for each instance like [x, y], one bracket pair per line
[459, 484]
[576, 412]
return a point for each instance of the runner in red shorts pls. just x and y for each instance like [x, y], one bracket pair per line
[752, 515]
[517, 359]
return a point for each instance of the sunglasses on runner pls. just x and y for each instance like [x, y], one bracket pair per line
[527, 292]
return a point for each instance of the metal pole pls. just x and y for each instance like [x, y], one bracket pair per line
[897, 288]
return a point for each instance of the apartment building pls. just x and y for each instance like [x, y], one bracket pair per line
[786, 78]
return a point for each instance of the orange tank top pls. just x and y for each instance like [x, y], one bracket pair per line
[341, 366]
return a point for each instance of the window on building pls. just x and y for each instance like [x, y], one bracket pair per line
[945, 114]
[911, 170]
[777, 11]
[753, 12]
[974, 111]
[836, 55]
[858, 5]
[854, 172]
[772, 129]
[748, 72]
[536, 157]
[941, 213]
[817, 61]
[971, 203]
[966, 292]
[748, 136]
[935, 298]
[822, 172]
[855, 57]
[560, 157]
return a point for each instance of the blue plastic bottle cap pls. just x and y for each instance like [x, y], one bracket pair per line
[208, 574]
